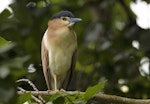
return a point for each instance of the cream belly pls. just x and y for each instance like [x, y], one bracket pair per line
[59, 61]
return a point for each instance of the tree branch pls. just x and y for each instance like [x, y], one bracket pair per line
[103, 98]
[48, 93]
[128, 11]
[107, 99]
[99, 97]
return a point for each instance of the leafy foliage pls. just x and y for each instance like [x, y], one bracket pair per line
[65, 98]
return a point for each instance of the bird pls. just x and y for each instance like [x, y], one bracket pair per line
[59, 50]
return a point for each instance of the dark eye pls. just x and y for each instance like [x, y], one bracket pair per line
[64, 18]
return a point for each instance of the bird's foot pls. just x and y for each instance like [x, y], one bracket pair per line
[49, 91]
[62, 90]
[56, 90]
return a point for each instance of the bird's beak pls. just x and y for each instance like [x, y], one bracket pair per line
[72, 21]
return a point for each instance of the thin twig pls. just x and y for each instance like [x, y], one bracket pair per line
[47, 2]
[33, 97]
[33, 86]
[29, 82]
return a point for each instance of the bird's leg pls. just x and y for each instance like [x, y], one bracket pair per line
[55, 83]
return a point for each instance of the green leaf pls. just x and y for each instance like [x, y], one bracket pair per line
[23, 98]
[3, 41]
[55, 96]
[5, 14]
[59, 100]
[93, 90]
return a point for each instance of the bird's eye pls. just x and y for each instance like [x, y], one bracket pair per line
[64, 18]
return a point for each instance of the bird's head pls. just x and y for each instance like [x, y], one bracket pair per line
[65, 18]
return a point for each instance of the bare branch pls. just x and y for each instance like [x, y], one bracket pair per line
[107, 99]
[49, 93]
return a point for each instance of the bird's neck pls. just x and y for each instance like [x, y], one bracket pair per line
[61, 38]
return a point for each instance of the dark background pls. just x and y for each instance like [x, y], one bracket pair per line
[105, 50]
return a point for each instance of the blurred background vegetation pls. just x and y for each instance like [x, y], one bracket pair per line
[105, 46]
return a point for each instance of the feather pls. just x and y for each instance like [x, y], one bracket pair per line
[67, 80]
[45, 64]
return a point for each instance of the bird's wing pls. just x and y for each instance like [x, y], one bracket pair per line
[70, 71]
[45, 64]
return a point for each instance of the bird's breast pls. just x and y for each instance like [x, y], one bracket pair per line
[60, 50]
